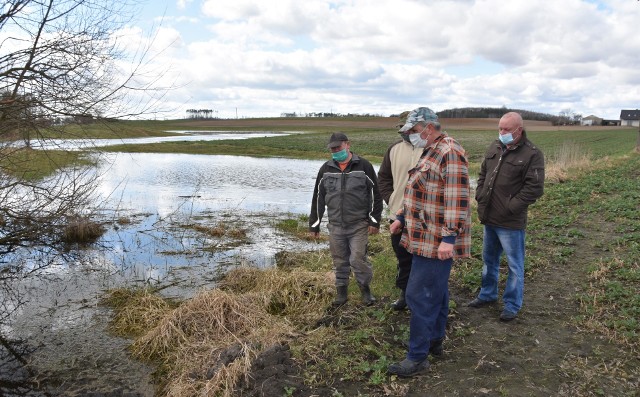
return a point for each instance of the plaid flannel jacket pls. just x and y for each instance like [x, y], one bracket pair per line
[437, 200]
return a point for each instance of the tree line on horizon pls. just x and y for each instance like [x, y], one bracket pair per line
[564, 117]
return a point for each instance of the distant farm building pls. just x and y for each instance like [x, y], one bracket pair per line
[591, 120]
[630, 118]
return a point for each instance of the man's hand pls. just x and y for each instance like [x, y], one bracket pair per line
[445, 251]
[396, 227]
[314, 235]
[373, 230]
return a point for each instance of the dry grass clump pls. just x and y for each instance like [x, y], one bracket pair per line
[81, 230]
[569, 156]
[300, 295]
[207, 345]
[213, 231]
[312, 260]
[136, 311]
[219, 230]
[211, 316]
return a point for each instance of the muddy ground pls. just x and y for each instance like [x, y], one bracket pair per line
[541, 353]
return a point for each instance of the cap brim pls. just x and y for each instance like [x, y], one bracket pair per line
[334, 144]
[406, 128]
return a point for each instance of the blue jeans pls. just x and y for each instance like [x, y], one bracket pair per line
[428, 298]
[511, 242]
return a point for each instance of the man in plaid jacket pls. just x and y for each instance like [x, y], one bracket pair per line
[435, 224]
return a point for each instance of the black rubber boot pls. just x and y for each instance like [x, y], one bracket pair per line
[341, 296]
[367, 298]
[401, 303]
[435, 348]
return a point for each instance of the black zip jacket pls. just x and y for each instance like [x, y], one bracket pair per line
[510, 180]
[350, 196]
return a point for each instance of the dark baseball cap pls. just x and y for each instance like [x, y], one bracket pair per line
[336, 139]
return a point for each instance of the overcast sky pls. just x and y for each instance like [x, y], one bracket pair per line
[254, 58]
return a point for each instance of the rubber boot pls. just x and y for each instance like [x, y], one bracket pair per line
[435, 348]
[341, 296]
[367, 298]
[400, 303]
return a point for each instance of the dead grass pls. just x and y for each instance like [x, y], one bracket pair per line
[219, 230]
[81, 230]
[136, 311]
[570, 156]
[207, 345]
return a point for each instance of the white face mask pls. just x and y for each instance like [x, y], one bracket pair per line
[416, 139]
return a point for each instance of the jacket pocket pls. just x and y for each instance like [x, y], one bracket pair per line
[331, 182]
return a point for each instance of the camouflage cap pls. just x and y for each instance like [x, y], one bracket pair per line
[401, 118]
[421, 114]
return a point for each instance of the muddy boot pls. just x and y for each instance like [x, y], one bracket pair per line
[401, 303]
[435, 348]
[341, 296]
[367, 298]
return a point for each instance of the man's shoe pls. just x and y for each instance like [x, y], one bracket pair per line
[435, 348]
[507, 315]
[407, 368]
[342, 296]
[367, 298]
[479, 303]
[401, 303]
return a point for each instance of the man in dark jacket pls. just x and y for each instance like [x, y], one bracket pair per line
[511, 178]
[347, 185]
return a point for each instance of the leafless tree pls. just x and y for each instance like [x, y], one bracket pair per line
[63, 64]
[60, 64]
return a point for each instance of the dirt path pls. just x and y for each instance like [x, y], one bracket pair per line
[541, 353]
[528, 356]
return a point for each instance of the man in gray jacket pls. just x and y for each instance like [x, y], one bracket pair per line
[347, 185]
[511, 178]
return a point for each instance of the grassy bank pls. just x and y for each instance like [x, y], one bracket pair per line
[372, 144]
[32, 165]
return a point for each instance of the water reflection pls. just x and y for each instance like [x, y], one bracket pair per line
[145, 201]
[157, 193]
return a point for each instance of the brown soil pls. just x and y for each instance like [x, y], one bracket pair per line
[541, 353]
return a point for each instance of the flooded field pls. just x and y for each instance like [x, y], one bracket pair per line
[151, 206]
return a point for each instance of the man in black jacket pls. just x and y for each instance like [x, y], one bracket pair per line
[347, 185]
[511, 178]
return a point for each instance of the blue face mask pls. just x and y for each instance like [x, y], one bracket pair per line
[340, 156]
[506, 138]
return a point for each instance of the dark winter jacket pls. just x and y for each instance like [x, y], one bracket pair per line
[510, 180]
[350, 196]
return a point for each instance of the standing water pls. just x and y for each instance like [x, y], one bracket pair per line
[149, 203]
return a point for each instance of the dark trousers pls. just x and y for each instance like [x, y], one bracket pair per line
[404, 262]
[428, 300]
